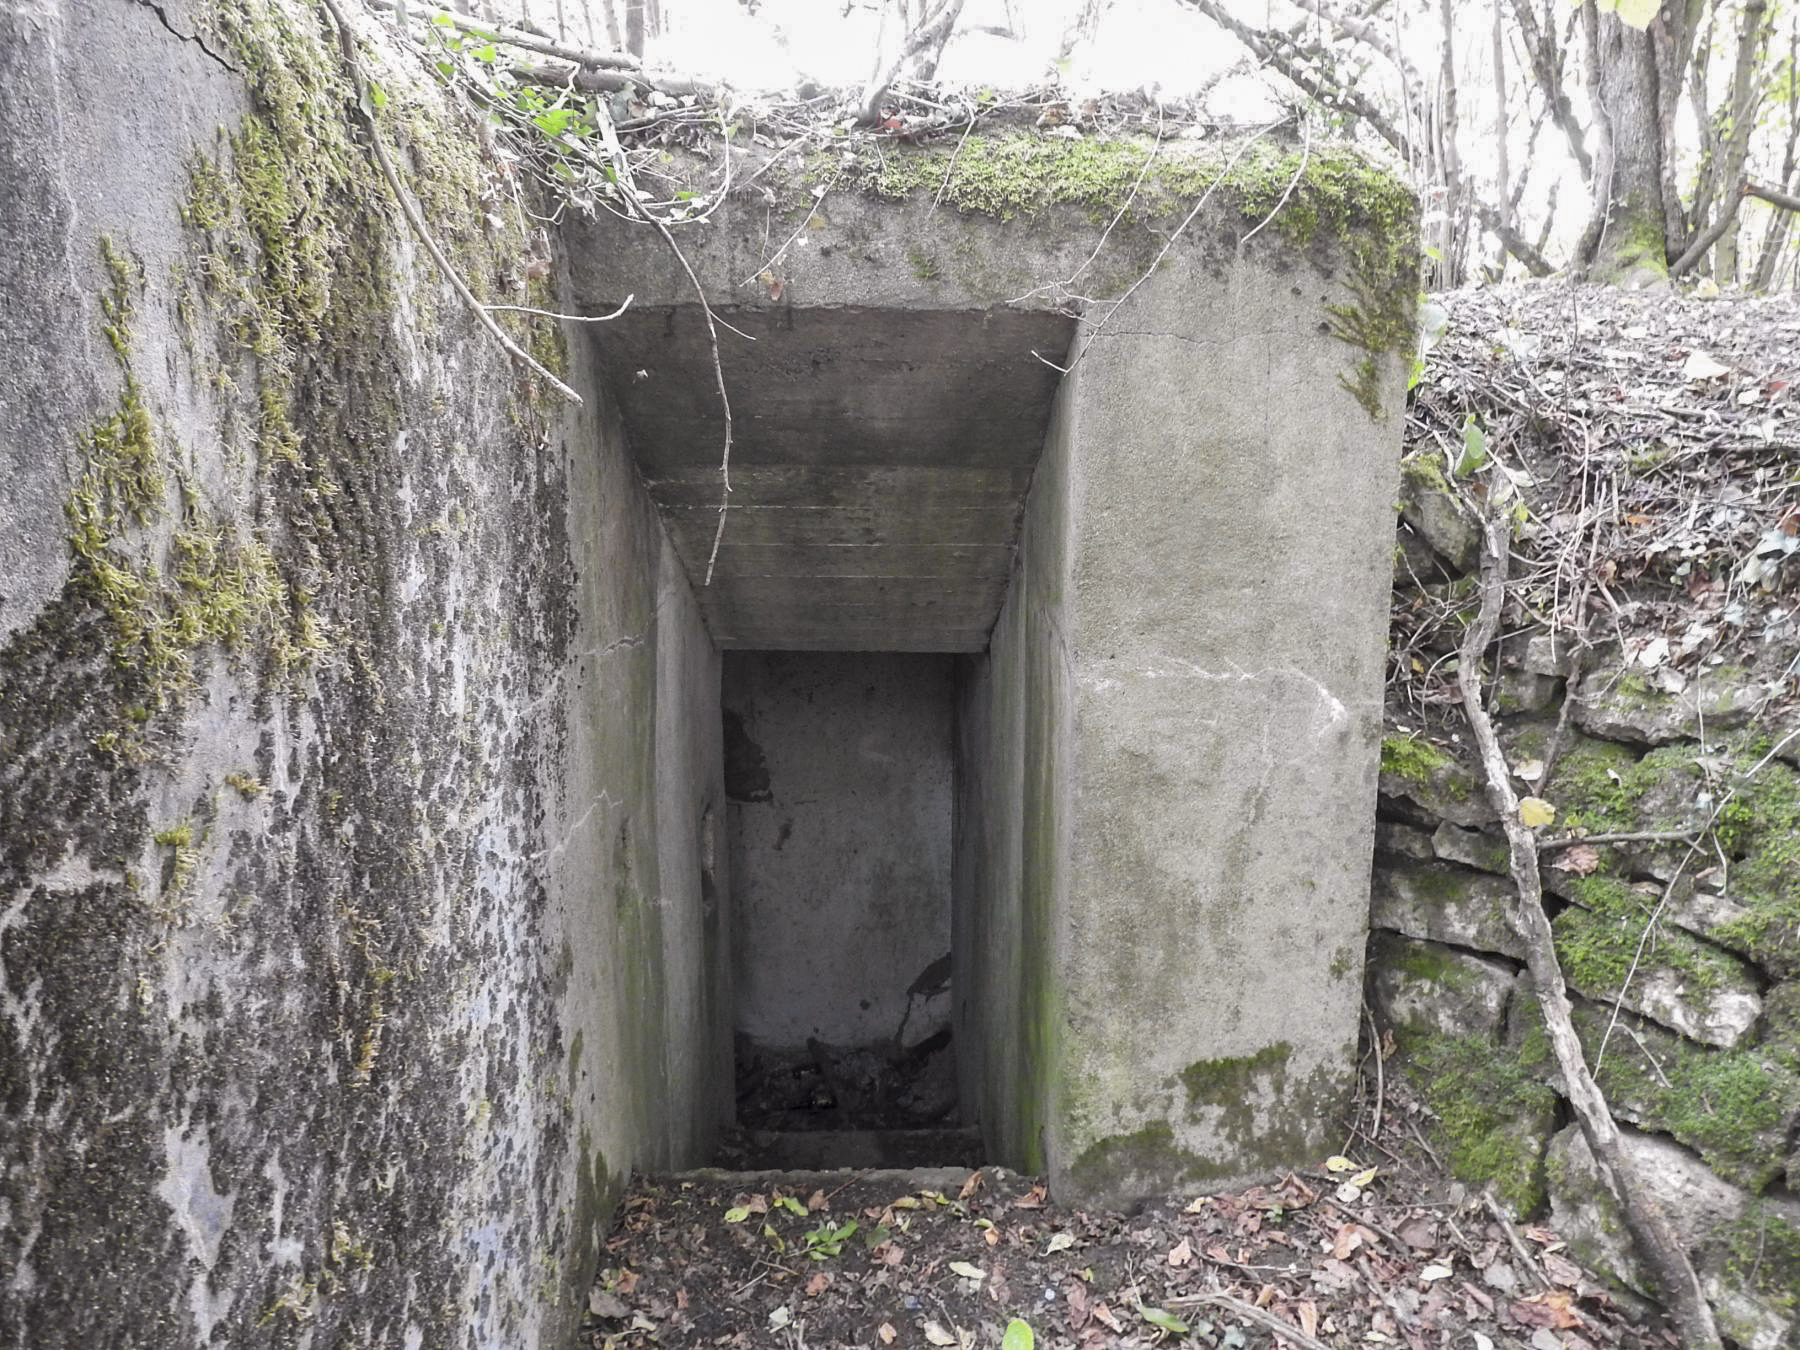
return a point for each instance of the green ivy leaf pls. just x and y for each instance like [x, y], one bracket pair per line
[1474, 453]
[1163, 1319]
[1018, 1336]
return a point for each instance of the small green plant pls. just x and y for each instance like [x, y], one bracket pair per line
[828, 1239]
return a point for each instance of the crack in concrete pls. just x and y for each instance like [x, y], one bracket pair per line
[600, 800]
[1335, 713]
[194, 38]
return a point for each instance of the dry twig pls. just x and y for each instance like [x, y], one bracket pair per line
[1655, 1240]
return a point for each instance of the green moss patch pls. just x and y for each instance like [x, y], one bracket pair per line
[1733, 1107]
[1112, 1166]
[1599, 938]
[1222, 1082]
[1494, 1116]
[1605, 787]
[1331, 196]
[1411, 759]
[1762, 1257]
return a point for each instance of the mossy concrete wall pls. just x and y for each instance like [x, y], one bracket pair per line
[354, 758]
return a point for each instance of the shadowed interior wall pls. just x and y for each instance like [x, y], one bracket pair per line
[839, 774]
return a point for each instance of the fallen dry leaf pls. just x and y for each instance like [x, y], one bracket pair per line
[1308, 1314]
[1180, 1254]
[1535, 811]
[1579, 859]
[1076, 1299]
[1562, 1271]
[818, 1284]
[886, 1333]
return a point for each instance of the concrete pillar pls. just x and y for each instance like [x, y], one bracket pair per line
[1184, 693]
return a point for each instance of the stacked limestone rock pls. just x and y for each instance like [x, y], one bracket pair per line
[1684, 963]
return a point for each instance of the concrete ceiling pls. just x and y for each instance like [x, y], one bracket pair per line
[879, 464]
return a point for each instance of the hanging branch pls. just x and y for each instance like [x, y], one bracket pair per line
[1787, 201]
[1694, 252]
[359, 84]
[1649, 1227]
[1546, 60]
[514, 37]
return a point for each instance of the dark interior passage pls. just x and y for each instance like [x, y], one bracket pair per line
[840, 779]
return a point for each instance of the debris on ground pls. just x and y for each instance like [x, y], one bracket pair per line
[1369, 1248]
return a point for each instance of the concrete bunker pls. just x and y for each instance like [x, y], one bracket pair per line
[1051, 650]
[366, 933]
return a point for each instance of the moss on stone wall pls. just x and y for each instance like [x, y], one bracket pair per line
[339, 952]
[1410, 758]
[1611, 788]
[1494, 1116]
[1608, 935]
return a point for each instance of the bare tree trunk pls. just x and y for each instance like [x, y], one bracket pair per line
[1775, 238]
[1502, 125]
[1628, 236]
[1746, 96]
[1082, 27]
[615, 37]
[643, 19]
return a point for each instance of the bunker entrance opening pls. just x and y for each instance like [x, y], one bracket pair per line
[840, 778]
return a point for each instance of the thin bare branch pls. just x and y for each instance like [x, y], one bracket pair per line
[1655, 1240]
[514, 37]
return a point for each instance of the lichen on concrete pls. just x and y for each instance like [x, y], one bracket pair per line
[278, 766]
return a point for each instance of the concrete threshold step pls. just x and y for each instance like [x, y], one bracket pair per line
[860, 1150]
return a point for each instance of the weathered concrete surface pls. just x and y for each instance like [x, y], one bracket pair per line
[1175, 878]
[879, 464]
[839, 772]
[1166, 756]
[355, 747]
[893, 392]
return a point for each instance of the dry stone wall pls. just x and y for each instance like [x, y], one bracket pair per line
[1683, 963]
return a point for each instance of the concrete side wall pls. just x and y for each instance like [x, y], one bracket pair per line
[840, 841]
[352, 790]
[1013, 812]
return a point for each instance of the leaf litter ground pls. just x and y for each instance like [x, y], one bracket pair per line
[1371, 1249]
